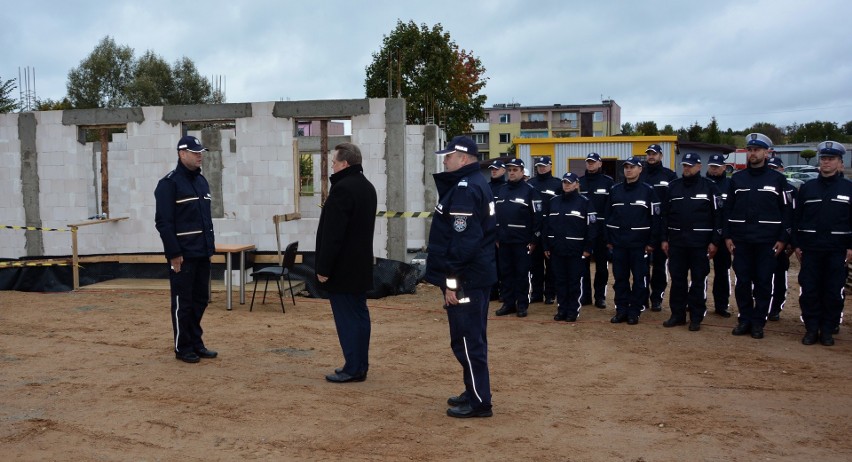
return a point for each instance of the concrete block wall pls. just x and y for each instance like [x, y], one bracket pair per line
[415, 181]
[257, 180]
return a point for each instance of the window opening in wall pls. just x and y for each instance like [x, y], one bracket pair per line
[505, 118]
[220, 138]
[505, 137]
[306, 173]
[101, 134]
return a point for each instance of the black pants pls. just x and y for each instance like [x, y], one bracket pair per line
[190, 294]
[601, 273]
[469, 342]
[822, 278]
[659, 279]
[515, 275]
[626, 261]
[352, 319]
[722, 279]
[779, 290]
[688, 268]
[542, 275]
[569, 280]
[754, 264]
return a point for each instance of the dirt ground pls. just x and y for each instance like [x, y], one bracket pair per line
[91, 376]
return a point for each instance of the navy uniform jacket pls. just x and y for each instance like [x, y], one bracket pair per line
[547, 186]
[344, 245]
[633, 215]
[824, 214]
[759, 207]
[722, 182]
[461, 238]
[692, 217]
[183, 215]
[596, 187]
[519, 216]
[569, 227]
[659, 177]
[496, 184]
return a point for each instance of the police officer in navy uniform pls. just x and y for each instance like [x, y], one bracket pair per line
[542, 275]
[758, 215]
[498, 179]
[595, 185]
[779, 286]
[518, 208]
[568, 237]
[461, 262]
[184, 220]
[658, 176]
[823, 244]
[692, 231]
[632, 226]
[716, 172]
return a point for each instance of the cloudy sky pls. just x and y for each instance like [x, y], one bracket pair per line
[674, 62]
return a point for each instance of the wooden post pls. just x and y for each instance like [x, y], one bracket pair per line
[324, 159]
[75, 259]
[297, 176]
[104, 173]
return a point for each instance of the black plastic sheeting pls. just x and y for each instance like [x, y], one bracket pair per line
[390, 277]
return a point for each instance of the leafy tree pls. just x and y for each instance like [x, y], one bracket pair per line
[51, 105]
[711, 134]
[439, 81]
[771, 130]
[189, 86]
[847, 129]
[807, 154]
[815, 132]
[7, 103]
[647, 128]
[627, 129]
[694, 132]
[102, 78]
[668, 130]
[152, 83]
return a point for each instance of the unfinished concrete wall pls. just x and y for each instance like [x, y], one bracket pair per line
[255, 170]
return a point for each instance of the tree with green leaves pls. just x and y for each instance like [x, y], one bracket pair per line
[694, 132]
[7, 102]
[712, 134]
[667, 130]
[439, 81]
[807, 154]
[111, 77]
[771, 130]
[647, 128]
[627, 129]
[816, 131]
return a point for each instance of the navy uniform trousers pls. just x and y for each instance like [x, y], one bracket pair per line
[822, 278]
[688, 268]
[754, 265]
[568, 275]
[542, 275]
[469, 342]
[721, 279]
[627, 261]
[779, 290]
[514, 260]
[190, 294]
[352, 319]
[601, 273]
[659, 278]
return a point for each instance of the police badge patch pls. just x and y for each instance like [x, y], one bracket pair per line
[460, 224]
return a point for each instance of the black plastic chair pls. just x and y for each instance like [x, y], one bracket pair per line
[277, 273]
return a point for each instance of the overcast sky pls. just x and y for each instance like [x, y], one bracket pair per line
[674, 62]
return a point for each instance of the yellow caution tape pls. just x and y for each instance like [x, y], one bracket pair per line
[33, 228]
[389, 214]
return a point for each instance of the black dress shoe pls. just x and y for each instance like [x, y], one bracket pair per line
[723, 313]
[673, 321]
[600, 303]
[343, 377]
[548, 301]
[190, 357]
[774, 317]
[756, 332]
[742, 329]
[560, 317]
[521, 314]
[505, 309]
[206, 354]
[826, 339]
[466, 411]
[633, 320]
[340, 369]
[694, 326]
[836, 330]
[657, 306]
[618, 318]
[571, 318]
[810, 337]
[459, 400]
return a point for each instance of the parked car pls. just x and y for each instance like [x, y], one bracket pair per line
[791, 169]
[804, 176]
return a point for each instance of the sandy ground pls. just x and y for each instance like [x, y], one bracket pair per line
[91, 376]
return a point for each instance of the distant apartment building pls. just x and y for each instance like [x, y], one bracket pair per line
[504, 122]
